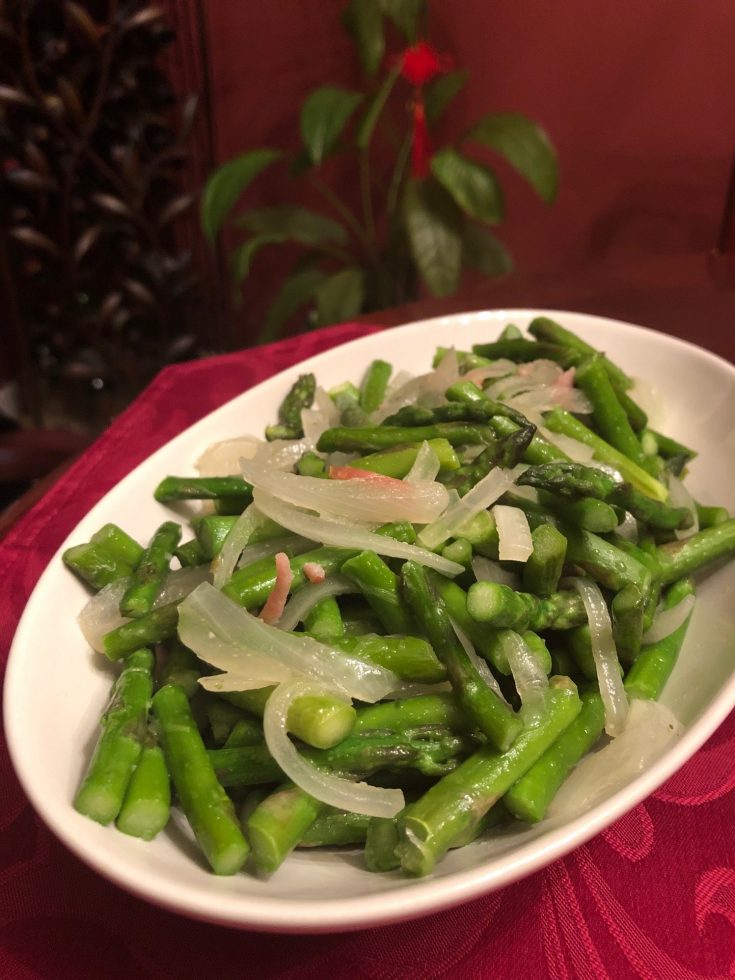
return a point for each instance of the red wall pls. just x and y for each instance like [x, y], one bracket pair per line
[637, 95]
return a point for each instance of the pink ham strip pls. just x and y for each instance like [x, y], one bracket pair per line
[314, 572]
[353, 473]
[276, 601]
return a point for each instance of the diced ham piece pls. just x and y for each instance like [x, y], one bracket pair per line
[276, 601]
[314, 572]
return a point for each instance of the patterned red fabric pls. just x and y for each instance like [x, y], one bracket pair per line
[653, 896]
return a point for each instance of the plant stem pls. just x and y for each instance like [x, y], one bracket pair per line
[397, 178]
[346, 213]
[367, 198]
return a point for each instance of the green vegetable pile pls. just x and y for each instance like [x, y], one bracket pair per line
[501, 684]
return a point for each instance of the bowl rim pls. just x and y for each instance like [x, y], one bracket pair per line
[422, 896]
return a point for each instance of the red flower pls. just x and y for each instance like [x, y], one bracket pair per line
[421, 63]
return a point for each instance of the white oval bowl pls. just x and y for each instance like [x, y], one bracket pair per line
[56, 686]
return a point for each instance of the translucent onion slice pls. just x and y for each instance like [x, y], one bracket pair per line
[628, 528]
[679, 496]
[281, 454]
[487, 570]
[577, 451]
[498, 369]
[322, 415]
[530, 680]
[650, 729]
[484, 493]
[605, 655]
[223, 458]
[234, 544]
[210, 611]
[102, 613]
[341, 535]
[325, 786]
[477, 662]
[378, 500]
[245, 681]
[651, 401]
[435, 383]
[667, 620]
[514, 534]
[408, 689]
[425, 467]
[404, 391]
[292, 544]
[307, 597]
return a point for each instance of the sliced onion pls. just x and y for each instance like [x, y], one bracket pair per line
[679, 496]
[667, 620]
[628, 528]
[102, 612]
[651, 401]
[281, 454]
[378, 500]
[234, 544]
[425, 467]
[404, 391]
[292, 544]
[649, 731]
[484, 493]
[605, 655]
[307, 597]
[530, 680]
[578, 452]
[322, 415]
[498, 369]
[325, 786]
[210, 612]
[477, 662]
[435, 383]
[487, 570]
[223, 458]
[341, 535]
[249, 680]
[514, 534]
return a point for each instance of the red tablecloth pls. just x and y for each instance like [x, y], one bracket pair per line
[653, 896]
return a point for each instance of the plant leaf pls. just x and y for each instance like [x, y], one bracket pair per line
[484, 252]
[440, 92]
[227, 183]
[472, 185]
[432, 223]
[300, 224]
[243, 255]
[295, 292]
[323, 117]
[341, 296]
[404, 14]
[377, 104]
[525, 146]
[363, 20]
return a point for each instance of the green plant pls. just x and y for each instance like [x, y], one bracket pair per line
[423, 216]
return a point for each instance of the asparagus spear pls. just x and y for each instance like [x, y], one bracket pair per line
[379, 585]
[120, 743]
[464, 795]
[155, 627]
[374, 385]
[549, 331]
[679, 558]
[324, 620]
[398, 462]
[499, 605]
[543, 569]
[278, 823]
[173, 488]
[491, 715]
[299, 397]
[373, 438]
[147, 804]
[336, 828]
[648, 675]
[207, 807]
[148, 578]
[529, 797]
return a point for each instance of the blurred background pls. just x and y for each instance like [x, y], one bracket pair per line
[114, 116]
